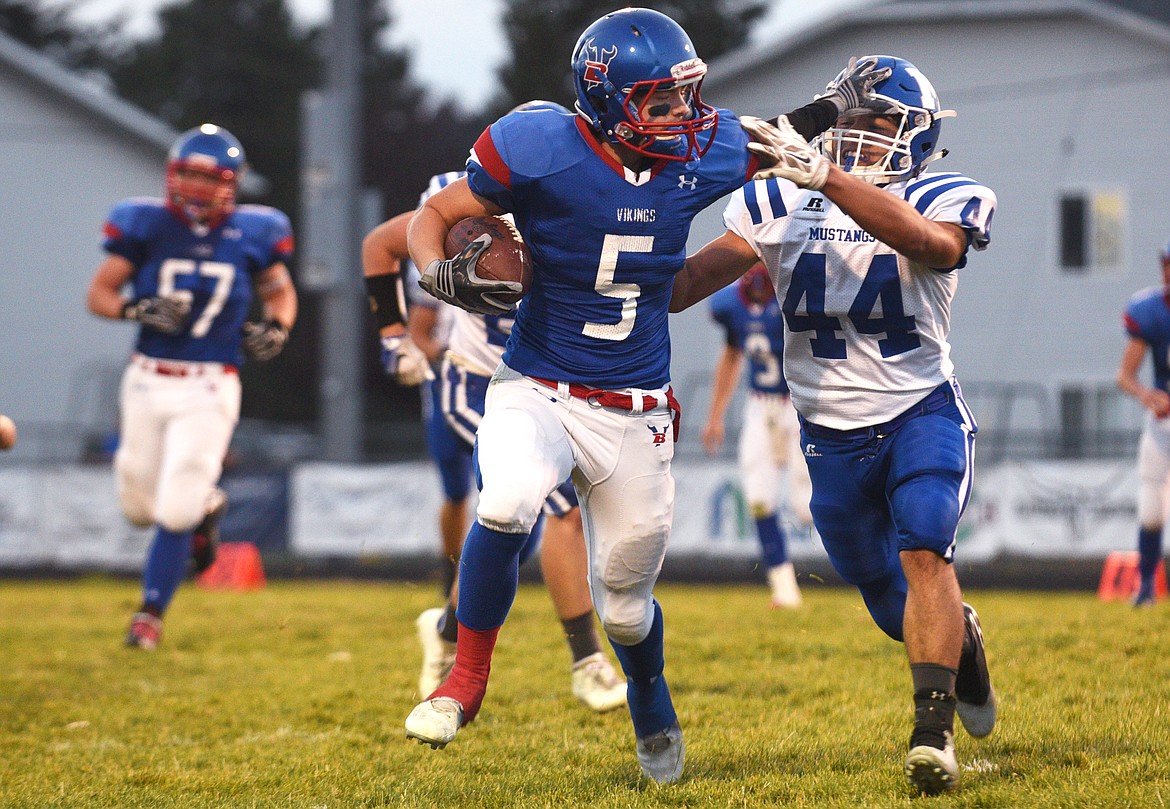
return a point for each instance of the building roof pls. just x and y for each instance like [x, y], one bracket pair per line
[1147, 18]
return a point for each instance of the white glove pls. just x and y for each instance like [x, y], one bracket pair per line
[853, 87]
[784, 153]
[405, 361]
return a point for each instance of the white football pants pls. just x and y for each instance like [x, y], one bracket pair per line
[1154, 469]
[769, 445]
[532, 437]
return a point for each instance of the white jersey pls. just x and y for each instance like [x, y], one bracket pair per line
[865, 329]
[477, 341]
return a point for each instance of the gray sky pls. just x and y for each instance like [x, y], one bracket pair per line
[455, 60]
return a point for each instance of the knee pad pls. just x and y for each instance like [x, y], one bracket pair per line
[627, 619]
[179, 514]
[510, 507]
[1151, 502]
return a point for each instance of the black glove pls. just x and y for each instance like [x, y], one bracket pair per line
[168, 315]
[454, 281]
[263, 340]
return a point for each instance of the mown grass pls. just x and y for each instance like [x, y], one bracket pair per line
[295, 697]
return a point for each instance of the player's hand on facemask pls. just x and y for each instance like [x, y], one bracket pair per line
[784, 153]
[854, 88]
[405, 361]
[263, 340]
[165, 314]
[455, 281]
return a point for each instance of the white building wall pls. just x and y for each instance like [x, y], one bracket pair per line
[1044, 105]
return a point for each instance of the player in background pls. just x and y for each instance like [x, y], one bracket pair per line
[474, 347]
[1147, 322]
[604, 200]
[864, 250]
[191, 261]
[769, 440]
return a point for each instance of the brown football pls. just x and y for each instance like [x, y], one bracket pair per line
[506, 259]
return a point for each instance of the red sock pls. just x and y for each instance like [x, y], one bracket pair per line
[468, 680]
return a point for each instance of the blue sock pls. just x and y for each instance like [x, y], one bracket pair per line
[166, 565]
[489, 572]
[1149, 553]
[648, 695]
[885, 598]
[773, 543]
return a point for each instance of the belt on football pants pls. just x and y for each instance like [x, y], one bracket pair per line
[937, 399]
[181, 368]
[622, 401]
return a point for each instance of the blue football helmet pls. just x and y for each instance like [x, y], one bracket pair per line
[203, 171]
[755, 286]
[909, 100]
[619, 62]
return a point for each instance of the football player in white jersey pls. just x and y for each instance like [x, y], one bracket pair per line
[864, 250]
[1147, 325]
[769, 439]
[192, 261]
[472, 352]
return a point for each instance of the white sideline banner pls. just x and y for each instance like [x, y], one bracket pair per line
[66, 516]
[1052, 509]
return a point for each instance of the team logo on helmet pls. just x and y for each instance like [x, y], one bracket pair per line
[597, 64]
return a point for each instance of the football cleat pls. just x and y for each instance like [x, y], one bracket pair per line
[435, 722]
[145, 631]
[205, 542]
[785, 592]
[974, 697]
[661, 755]
[932, 771]
[597, 684]
[1145, 596]
[438, 654]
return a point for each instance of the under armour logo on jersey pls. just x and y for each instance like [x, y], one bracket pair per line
[596, 63]
[688, 182]
[659, 435]
[810, 451]
[816, 205]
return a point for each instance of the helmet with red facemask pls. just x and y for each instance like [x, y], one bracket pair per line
[755, 286]
[619, 62]
[203, 172]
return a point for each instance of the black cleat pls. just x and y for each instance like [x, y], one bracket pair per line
[206, 539]
[975, 698]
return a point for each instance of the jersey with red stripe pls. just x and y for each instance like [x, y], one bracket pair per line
[606, 242]
[1147, 318]
[211, 268]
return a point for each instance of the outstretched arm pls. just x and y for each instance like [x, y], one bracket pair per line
[717, 264]
[722, 387]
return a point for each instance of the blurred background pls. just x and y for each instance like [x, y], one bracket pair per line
[346, 109]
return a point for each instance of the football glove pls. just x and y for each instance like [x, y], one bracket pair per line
[454, 281]
[263, 340]
[405, 361]
[853, 88]
[168, 315]
[784, 153]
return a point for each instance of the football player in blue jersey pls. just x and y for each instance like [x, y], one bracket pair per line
[604, 200]
[193, 263]
[864, 248]
[1147, 323]
[769, 439]
[472, 352]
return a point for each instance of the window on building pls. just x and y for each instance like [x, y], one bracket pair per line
[1097, 421]
[1091, 235]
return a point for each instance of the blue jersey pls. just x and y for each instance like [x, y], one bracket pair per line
[1147, 318]
[757, 331]
[606, 242]
[212, 268]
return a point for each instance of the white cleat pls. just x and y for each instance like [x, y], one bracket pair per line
[785, 592]
[661, 755]
[932, 771]
[438, 654]
[597, 684]
[435, 721]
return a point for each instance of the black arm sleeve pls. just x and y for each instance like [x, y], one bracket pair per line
[387, 299]
[812, 119]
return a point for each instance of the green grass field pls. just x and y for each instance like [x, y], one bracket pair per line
[295, 696]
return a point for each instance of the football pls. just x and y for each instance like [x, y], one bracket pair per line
[506, 259]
